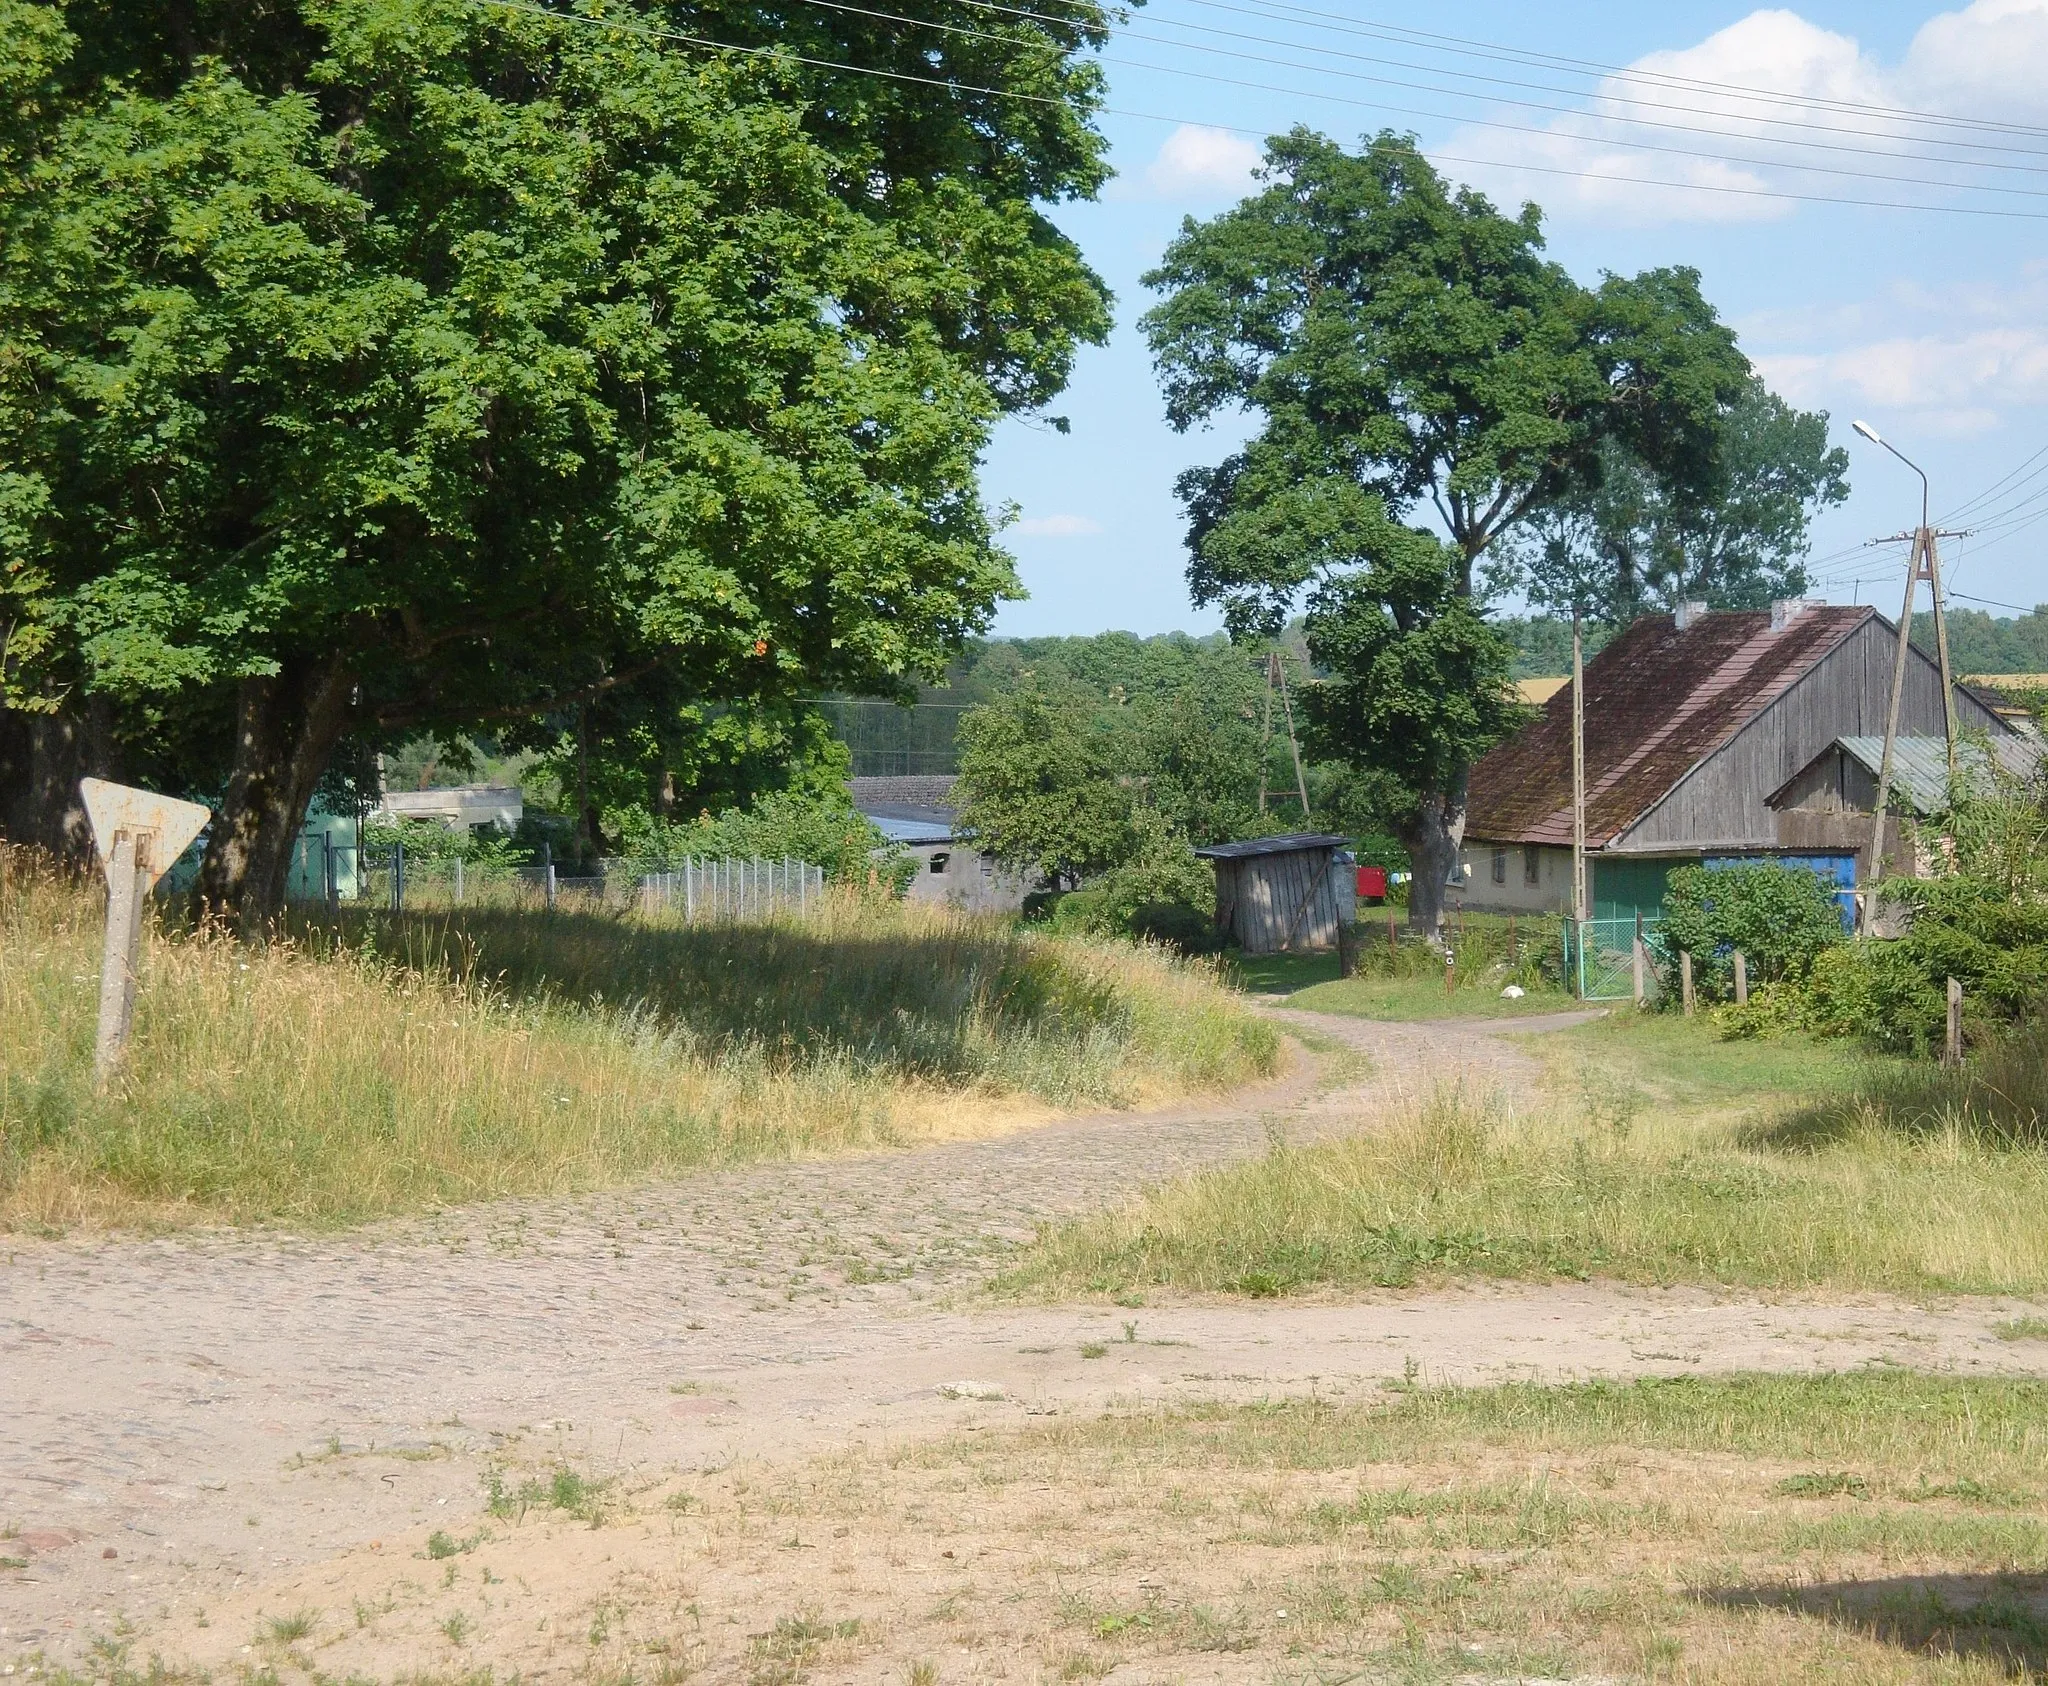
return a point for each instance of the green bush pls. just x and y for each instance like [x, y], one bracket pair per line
[1780, 918]
[485, 852]
[783, 825]
[1163, 892]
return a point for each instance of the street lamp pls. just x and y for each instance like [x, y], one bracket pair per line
[1871, 433]
[1925, 564]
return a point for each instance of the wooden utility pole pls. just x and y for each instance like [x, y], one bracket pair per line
[1276, 680]
[1580, 912]
[1923, 563]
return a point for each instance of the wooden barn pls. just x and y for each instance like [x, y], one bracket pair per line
[1282, 893]
[1696, 727]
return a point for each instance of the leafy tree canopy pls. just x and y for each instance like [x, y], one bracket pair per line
[371, 366]
[1408, 352]
[1635, 541]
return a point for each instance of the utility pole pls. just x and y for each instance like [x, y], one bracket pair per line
[1923, 563]
[1580, 911]
[1276, 679]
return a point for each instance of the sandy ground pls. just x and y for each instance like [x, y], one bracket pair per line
[206, 1428]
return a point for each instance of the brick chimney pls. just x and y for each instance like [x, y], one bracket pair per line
[1688, 613]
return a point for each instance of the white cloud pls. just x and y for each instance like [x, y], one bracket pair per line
[1955, 362]
[1057, 527]
[1199, 163]
[1990, 59]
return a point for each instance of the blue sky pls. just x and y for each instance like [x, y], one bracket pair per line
[1932, 326]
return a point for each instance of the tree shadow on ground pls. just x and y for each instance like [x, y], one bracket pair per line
[2000, 1618]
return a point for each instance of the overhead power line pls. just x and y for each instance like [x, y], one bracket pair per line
[1785, 195]
[1324, 50]
[1467, 46]
[1745, 160]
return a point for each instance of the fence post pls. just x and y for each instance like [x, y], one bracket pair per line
[1514, 953]
[1639, 961]
[1347, 950]
[551, 886]
[1741, 980]
[1952, 1052]
[1393, 937]
[330, 879]
[398, 877]
[1685, 980]
[1450, 970]
[689, 889]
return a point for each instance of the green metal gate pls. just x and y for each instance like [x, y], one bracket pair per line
[1600, 957]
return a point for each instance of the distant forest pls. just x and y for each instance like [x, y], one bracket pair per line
[886, 738]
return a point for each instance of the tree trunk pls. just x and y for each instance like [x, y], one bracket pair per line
[1435, 839]
[286, 727]
[588, 824]
[42, 758]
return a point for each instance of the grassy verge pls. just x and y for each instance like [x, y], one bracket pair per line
[1868, 1529]
[388, 1066]
[1409, 980]
[1658, 1154]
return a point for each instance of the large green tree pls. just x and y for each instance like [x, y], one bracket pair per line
[371, 366]
[1633, 542]
[1424, 383]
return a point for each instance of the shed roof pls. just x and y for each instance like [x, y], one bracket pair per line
[1920, 765]
[1658, 701]
[912, 829]
[1292, 843]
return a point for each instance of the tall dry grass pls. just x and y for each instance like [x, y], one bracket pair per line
[1462, 1184]
[387, 1066]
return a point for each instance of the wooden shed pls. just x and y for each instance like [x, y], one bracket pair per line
[1276, 893]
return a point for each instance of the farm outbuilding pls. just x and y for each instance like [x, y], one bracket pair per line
[1698, 726]
[1276, 893]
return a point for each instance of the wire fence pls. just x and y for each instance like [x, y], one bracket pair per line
[735, 889]
[335, 873]
[1615, 959]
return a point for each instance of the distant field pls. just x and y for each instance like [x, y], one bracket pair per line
[392, 1065]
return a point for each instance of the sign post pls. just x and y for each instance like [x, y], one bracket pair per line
[138, 835]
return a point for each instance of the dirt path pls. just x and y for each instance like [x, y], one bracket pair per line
[188, 1417]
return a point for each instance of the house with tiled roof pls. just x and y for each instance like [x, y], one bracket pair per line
[1694, 722]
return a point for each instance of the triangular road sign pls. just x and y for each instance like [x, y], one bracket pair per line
[118, 807]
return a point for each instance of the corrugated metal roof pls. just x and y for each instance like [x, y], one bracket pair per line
[1658, 701]
[1289, 844]
[1920, 765]
[911, 833]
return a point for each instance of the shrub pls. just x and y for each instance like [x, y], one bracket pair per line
[1781, 919]
[784, 825]
[484, 851]
[1163, 892]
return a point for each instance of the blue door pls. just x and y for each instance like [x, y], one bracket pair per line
[1836, 870]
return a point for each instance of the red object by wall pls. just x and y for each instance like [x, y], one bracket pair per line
[1372, 883]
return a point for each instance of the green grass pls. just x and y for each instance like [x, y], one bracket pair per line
[1407, 980]
[1659, 1154]
[386, 1066]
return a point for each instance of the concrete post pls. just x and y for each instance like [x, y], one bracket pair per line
[1741, 980]
[1685, 980]
[1952, 1050]
[128, 879]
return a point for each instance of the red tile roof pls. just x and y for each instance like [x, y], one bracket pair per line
[1658, 701]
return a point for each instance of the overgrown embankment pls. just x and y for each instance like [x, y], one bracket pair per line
[383, 1066]
[1657, 1154]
